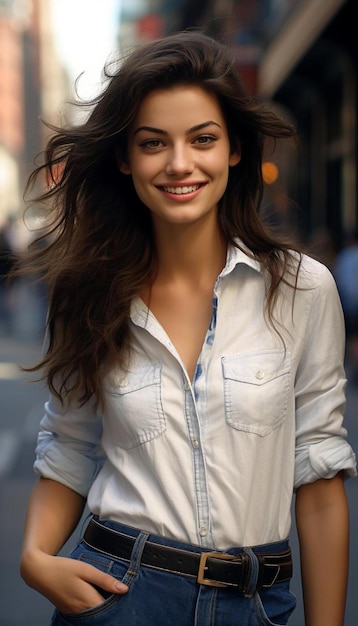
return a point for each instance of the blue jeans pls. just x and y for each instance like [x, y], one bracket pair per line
[159, 598]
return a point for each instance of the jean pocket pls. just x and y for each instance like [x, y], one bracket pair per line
[256, 390]
[274, 606]
[103, 614]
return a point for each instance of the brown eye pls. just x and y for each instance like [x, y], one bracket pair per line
[151, 143]
[205, 139]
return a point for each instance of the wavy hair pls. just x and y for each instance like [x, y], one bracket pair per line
[100, 248]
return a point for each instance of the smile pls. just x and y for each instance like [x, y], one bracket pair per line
[182, 190]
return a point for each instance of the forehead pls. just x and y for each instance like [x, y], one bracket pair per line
[180, 104]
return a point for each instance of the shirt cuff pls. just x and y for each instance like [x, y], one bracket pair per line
[324, 460]
[66, 465]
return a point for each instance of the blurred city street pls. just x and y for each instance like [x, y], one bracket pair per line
[21, 410]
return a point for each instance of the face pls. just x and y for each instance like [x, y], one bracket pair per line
[179, 154]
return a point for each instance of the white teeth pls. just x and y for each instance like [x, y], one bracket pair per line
[181, 190]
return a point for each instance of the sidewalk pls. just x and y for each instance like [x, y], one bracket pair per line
[26, 306]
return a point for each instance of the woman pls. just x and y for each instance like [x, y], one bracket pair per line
[194, 363]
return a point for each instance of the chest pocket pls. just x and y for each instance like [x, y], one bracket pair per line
[256, 390]
[135, 413]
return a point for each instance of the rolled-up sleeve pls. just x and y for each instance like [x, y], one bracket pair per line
[69, 445]
[322, 449]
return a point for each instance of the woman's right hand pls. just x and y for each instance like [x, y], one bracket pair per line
[71, 585]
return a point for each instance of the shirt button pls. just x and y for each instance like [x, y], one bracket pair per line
[260, 375]
[186, 386]
[195, 443]
[203, 531]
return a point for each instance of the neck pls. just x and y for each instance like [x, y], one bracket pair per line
[194, 253]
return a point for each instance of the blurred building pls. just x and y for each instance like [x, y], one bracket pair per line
[32, 86]
[141, 20]
[309, 67]
[46, 83]
[12, 22]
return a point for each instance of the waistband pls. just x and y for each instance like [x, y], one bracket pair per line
[213, 568]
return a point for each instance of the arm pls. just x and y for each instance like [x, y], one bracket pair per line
[323, 528]
[53, 513]
[322, 449]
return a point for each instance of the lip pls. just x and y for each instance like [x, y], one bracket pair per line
[189, 190]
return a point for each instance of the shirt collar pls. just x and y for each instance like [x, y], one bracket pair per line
[236, 255]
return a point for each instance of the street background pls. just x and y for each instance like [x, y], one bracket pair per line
[20, 412]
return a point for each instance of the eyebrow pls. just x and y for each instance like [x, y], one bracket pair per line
[193, 129]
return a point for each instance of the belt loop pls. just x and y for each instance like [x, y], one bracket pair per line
[136, 557]
[251, 585]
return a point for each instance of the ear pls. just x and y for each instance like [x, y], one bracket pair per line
[122, 162]
[124, 167]
[235, 156]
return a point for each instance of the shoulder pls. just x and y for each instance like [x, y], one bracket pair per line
[311, 274]
[316, 288]
[311, 282]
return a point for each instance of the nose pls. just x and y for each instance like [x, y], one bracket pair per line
[179, 161]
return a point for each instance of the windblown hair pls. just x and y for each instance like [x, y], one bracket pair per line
[100, 249]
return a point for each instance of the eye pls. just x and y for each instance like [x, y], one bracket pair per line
[204, 140]
[151, 143]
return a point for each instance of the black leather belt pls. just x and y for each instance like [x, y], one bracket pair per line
[217, 569]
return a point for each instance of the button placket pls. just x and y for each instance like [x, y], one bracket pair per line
[200, 478]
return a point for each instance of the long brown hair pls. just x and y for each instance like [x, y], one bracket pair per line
[100, 245]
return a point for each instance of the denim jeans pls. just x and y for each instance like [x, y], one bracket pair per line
[159, 598]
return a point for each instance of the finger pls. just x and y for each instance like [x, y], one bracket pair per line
[105, 581]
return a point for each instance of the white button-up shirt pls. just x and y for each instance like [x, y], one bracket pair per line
[214, 461]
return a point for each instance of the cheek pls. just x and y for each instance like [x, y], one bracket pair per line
[144, 171]
[139, 187]
[217, 164]
[221, 171]
[142, 182]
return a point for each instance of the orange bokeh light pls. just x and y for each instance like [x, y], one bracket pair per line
[269, 172]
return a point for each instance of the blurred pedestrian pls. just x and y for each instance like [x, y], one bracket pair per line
[346, 274]
[195, 364]
[6, 264]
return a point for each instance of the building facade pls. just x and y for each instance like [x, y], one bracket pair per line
[11, 108]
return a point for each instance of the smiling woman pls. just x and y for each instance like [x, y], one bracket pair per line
[179, 171]
[194, 362]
